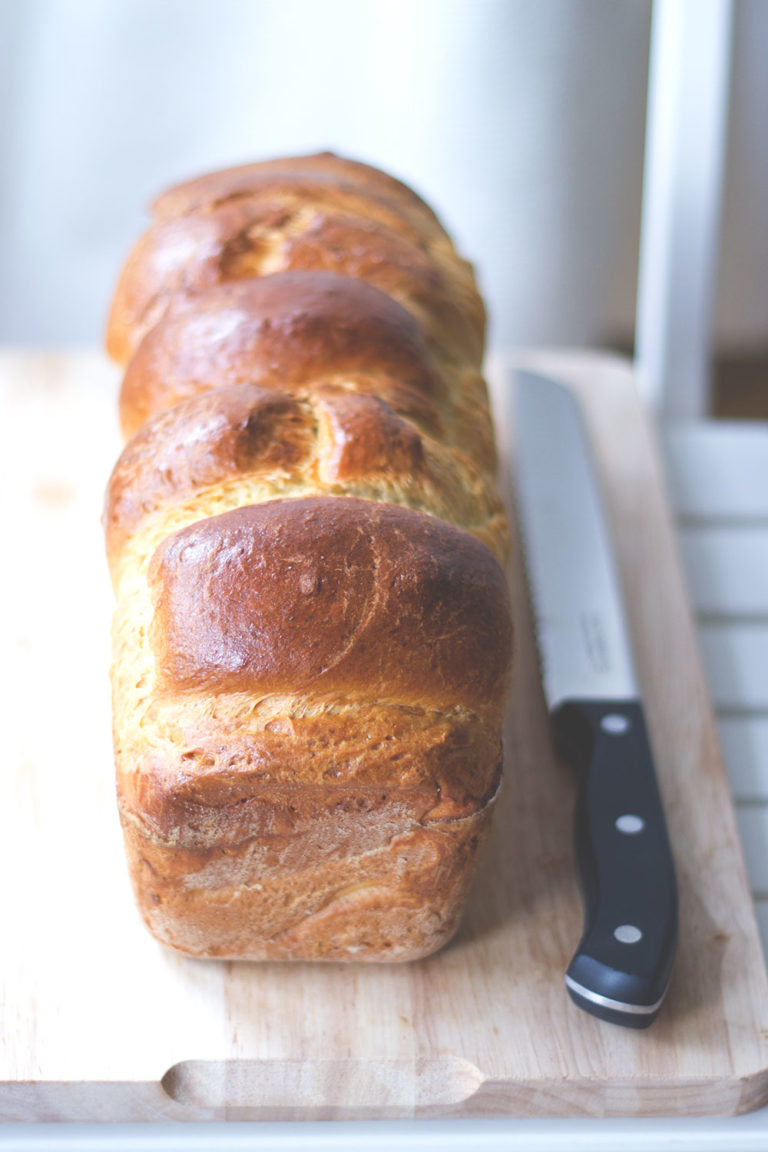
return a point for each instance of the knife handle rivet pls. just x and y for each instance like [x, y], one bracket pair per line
[630, 825]
[614, 723]
[627, 934]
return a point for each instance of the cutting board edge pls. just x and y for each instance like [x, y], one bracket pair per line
[148, 1101]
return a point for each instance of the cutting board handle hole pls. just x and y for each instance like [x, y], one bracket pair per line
[281, 1089]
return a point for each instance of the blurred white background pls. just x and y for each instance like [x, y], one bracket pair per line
[521, 121]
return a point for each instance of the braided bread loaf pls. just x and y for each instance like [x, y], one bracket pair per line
[312, 635]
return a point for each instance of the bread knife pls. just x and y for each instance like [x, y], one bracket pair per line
[622, 965]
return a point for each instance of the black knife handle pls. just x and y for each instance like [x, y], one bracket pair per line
[623, 963]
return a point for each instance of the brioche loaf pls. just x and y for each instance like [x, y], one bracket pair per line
[312, 637]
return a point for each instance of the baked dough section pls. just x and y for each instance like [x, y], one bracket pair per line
[312, 637]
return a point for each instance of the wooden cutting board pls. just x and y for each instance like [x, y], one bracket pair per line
[100, 1022]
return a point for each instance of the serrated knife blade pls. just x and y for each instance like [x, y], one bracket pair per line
[621, 968]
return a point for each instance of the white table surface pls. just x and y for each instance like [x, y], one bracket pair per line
[718, 487]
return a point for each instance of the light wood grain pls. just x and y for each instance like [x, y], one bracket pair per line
[100, 1022]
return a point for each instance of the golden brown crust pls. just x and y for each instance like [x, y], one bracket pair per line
[282, 330]
[320, 439]
[325, 596]
[270, 768]
[368, 438]
[256, 236]
[328, 172]
[217, 435]
[312, 636]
